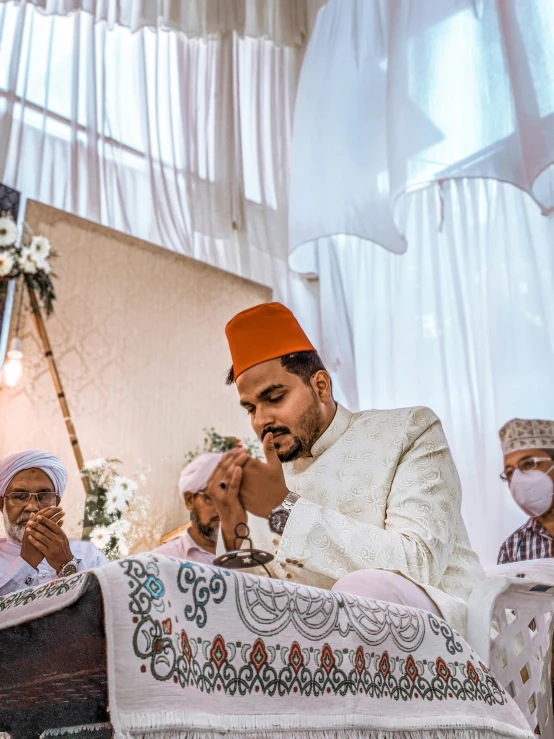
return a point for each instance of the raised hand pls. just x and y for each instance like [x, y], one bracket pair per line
[47, 535]
[29, 551]
[263, 485]
[223, 488]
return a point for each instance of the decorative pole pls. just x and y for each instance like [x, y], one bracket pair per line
[41, 330]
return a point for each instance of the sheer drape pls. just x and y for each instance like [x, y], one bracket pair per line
[181, 141]
[411, 92]
[463, 322]
[286, 22]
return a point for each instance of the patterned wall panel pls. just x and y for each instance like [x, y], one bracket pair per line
[138, 334]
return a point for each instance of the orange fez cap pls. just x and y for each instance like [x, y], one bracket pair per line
[264, 332]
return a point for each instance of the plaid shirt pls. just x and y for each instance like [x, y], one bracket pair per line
[530, 541]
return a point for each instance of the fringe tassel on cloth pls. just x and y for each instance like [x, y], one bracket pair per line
[290, 726]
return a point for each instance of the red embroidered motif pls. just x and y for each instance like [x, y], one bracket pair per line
[296, 660]
[218, 653]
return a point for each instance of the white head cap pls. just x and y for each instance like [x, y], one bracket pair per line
[195, 476]
[520, 433]
[33, 459]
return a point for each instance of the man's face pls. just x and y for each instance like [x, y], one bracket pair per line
[280, 403]
[203, 515]
[16, 513]
[523, 456]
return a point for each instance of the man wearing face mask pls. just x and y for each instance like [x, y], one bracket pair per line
[528, 448]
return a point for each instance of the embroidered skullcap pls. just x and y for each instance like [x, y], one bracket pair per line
[195, 475]
[522, 434]
[31, 459]
[265, 332]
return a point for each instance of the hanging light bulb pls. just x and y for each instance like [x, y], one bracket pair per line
[13, 369]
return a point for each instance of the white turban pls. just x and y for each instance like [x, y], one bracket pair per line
[32, 459]
[195, 475]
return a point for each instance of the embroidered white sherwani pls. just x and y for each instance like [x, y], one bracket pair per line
[380, 491]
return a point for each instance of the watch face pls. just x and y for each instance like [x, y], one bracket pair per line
[278, 520]
[68, 569]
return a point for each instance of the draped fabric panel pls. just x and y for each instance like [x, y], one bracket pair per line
[407, 93]
[463, 322]
[181, 141]
[287, 22]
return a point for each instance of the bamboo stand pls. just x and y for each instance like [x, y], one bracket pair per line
[45, 341]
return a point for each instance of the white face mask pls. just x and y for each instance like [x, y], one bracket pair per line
[532, 491]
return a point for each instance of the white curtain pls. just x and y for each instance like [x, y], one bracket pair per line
[395, 94]
[463, 323]
[183, 141]
[286, 22]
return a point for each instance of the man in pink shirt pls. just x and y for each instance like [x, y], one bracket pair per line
[199, 542]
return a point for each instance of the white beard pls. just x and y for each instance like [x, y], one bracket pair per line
[14, 530]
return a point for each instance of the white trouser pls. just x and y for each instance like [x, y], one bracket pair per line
[387, 586]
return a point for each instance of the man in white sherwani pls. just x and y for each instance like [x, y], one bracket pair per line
[365, 503]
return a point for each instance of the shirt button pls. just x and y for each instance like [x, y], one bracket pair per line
[289, 576]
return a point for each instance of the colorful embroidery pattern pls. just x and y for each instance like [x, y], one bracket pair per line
[49, 590]
[167, 649]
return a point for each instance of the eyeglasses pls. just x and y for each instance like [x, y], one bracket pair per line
[22, 497]
[525, 465]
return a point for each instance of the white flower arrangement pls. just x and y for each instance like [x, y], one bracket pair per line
[109, 498]
[26, 255]
[214, 442]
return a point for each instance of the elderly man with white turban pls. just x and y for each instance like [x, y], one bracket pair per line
[200, 539]
[36, 549]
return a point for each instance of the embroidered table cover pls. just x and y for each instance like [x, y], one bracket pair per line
[198, 652]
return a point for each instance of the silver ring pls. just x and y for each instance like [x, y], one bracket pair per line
[223, 485]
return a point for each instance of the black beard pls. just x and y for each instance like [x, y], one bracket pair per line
[310, 423]
[206, 530]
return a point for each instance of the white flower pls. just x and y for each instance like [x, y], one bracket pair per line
[6, 263]
[120, 527]
[121, 490]
[27, 262]
[40, 247]
[8, 231]
[123, 548]
[101, 536]
[116, 500]
[125, 484]
[95, 464]
[43, 265]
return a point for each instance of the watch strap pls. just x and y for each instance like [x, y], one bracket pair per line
[290, 500]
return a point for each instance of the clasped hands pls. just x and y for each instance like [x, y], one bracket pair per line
[240, 484]
[44, 538]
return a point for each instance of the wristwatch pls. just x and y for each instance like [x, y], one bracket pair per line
[279, 516]
[69, 568]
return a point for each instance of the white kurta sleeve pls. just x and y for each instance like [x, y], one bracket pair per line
[17, 576]
[88, 555]
[422, 506]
